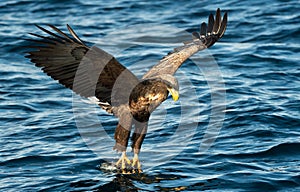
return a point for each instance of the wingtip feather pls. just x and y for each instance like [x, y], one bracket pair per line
[74, 34]
[203, 29]
[217, 22]
[223, 24]
[211, 22]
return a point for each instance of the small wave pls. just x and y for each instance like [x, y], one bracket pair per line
[283, 150]
[32, 159]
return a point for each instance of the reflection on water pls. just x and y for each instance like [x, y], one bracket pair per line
[130, 182]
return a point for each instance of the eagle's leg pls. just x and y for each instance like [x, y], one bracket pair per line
[137, 140]
[122, 134]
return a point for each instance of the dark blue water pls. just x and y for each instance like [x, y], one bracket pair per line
[254, 97]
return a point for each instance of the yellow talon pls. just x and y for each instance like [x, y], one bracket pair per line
[136, 164]
[127, 166]
[123, 160]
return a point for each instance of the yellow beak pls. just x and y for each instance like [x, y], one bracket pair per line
[174, 93]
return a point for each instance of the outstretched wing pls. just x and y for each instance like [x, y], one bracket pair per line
[209, 34]
[88, 71]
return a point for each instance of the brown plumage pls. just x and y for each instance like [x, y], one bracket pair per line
[92, 72]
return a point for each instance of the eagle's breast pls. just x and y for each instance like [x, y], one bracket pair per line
[146, 97]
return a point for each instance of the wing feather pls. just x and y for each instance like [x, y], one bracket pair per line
[211, 22]
[217, 22]
[209, 34]
[74, 34]
[60, 32]
[88, 71]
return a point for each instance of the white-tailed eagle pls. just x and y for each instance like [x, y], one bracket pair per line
[92, 72]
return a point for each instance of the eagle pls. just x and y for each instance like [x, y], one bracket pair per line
[95, 74]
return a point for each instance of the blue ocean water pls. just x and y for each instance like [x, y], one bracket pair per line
[257, 148]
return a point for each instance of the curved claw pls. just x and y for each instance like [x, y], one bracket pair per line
[123, 160]
[136, 164]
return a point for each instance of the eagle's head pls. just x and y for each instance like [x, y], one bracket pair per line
[171, 84]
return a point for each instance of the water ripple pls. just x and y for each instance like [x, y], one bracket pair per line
[257, 148]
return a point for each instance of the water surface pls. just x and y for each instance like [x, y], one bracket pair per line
[257, 148]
